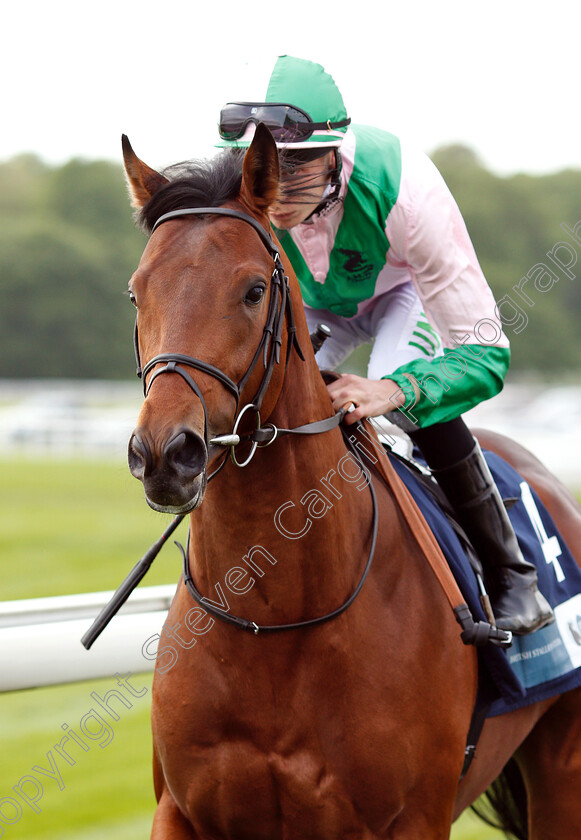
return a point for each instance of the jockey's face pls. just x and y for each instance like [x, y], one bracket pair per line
[302, 189]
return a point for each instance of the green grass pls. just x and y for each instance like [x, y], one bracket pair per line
[106, 793]
[72, 526]
[68, 527]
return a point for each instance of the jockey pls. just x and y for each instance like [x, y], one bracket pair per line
[382, 255]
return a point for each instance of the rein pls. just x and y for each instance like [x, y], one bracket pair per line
[269, 347]
[252, 626]
[260, 436]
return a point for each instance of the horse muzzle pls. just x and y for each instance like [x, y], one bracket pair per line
[173, 472]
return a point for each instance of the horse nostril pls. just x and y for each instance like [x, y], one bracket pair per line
[186, 452]
[139, 457]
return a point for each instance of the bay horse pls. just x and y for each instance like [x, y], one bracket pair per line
[338, 706]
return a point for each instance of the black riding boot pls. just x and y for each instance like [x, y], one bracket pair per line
[511, 581]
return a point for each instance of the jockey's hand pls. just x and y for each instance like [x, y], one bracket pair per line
[364, 397]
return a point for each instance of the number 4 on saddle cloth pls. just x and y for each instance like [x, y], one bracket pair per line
[544, 663]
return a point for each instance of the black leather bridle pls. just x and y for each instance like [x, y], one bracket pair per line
[269, 347]
[279, 309]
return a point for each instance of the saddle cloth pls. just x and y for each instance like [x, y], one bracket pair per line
[541, 664]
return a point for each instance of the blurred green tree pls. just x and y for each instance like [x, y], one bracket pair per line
[68, 246]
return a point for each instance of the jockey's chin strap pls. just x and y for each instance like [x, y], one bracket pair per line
[280, 305]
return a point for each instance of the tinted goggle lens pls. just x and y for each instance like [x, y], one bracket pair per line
[286, 123]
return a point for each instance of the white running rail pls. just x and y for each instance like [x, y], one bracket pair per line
[40, 638]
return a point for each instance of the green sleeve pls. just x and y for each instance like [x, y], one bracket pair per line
[444, 388]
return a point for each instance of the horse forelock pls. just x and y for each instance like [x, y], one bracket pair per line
[196, 183]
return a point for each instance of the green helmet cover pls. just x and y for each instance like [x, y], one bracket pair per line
[306, 85]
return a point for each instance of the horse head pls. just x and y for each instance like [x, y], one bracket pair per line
[212, 298]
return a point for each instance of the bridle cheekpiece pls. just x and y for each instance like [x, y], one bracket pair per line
[269, 347]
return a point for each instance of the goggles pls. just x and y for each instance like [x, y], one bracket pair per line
[287, 123]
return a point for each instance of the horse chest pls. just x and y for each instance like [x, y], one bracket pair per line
[239, 791]
[257, 754]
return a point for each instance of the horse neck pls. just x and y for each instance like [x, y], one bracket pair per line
[290, 517]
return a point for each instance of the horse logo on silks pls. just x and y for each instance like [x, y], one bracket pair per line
[356, 265]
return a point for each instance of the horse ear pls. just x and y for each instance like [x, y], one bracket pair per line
[260, 172]
[142, 181]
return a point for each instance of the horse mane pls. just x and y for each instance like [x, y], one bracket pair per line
[195, 183]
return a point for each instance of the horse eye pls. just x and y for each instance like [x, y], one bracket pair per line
[255, 294]
[132, 298]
